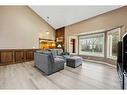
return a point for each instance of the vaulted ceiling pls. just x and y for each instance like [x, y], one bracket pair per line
[59, 16]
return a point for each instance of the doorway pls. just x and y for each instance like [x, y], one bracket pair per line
[73, 44]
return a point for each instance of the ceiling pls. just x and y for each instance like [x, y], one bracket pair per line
[59, 16]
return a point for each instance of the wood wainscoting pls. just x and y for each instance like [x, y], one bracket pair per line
[11, 56]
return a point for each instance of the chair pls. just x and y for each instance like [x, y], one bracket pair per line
[47, 63]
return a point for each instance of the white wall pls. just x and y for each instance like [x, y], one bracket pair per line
[20, 28]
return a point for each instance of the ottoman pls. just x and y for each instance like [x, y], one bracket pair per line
[74, 61]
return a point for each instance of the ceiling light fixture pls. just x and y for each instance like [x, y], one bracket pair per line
[47, 19]
[47, 32]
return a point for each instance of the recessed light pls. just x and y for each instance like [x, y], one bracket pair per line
[47, 17]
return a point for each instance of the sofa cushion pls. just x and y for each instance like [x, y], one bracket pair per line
[51, 58]
[59, 57]
[53, 51]
[57, 60]
[59, 51]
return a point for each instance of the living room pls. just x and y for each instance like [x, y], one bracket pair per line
[75, 52]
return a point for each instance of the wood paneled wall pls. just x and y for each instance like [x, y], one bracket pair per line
[59, 37]
[11, 56]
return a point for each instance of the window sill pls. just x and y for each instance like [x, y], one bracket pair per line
[94, 55]
[91, 56]
[112, 58]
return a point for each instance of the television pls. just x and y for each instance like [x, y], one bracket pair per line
[120, 63]
[124, 53]
[119, 55]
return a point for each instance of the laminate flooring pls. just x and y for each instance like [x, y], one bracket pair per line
[89, 75]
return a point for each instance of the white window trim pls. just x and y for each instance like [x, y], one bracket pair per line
[108, 55]
[92, 53]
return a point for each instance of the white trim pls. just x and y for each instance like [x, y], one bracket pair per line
[113, 57]
[91, 54]
[100, 62]
[110, 32]
[91, 32]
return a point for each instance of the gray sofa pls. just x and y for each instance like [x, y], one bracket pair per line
[58, 53]
[47, 63]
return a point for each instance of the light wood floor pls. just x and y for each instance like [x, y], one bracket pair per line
[88, 76]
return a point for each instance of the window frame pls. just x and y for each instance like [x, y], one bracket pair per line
[92, 53]
[108, 51]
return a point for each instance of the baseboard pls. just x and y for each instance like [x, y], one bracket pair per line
[100, 62]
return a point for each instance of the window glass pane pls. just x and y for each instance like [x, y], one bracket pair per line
[91, 45]
[113, 38]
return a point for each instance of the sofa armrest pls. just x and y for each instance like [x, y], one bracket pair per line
[65, 53]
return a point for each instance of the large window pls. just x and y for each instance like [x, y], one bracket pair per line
[92, 45]
[113, 38]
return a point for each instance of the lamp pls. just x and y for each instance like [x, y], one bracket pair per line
[53, 44]
[59, 46]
